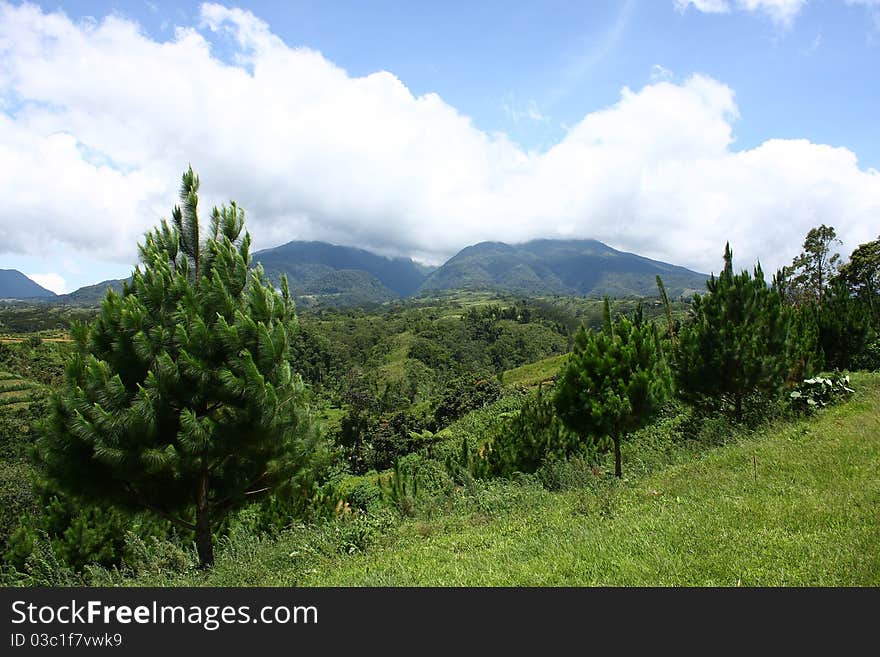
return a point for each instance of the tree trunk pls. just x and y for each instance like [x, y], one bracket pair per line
[204, 539]
[618, 472]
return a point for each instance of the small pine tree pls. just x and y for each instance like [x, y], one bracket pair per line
[735, 341]
[530, 436]
[804, 353]
[614, 381]
[181, 398]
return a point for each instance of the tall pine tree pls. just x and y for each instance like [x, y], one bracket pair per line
[614, 381]
[181, 398]
[735, 342]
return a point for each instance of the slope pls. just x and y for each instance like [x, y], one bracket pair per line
[15, 285]
[576, 267]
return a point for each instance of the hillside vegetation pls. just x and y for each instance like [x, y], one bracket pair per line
[794, 504]
[198, 429]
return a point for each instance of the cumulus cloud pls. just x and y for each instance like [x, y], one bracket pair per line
[98, 120]
[53, 282]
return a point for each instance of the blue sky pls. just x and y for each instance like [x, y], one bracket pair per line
[531, 72]
[817, 78]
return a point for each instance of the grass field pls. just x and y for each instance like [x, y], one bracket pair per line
[797, 504]
[533, 374]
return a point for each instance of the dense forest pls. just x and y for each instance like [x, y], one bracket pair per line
[199, 409]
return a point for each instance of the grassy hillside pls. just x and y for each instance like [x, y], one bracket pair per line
[544, 371]
[795, 504]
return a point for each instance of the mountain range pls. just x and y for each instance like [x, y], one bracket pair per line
[328, 274]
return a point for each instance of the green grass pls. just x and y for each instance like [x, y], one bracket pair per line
[394, 368]
[808, 518]
[793, 505]
[542, 371]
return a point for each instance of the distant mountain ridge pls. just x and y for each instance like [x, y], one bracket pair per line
[15, 285]
[92, 294]
[343, 275]
[567, 267]
[329, 274]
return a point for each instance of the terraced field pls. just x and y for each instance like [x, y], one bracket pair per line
[16, 392]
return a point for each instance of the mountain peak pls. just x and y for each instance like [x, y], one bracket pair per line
[15, 285]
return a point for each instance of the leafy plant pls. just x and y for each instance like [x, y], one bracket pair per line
[819, 392]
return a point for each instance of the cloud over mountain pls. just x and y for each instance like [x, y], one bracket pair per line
[98, 119]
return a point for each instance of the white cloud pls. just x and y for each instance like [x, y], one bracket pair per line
[708, 6]
[660, 72]
[53, 282]
[779, 11]
[104, 119]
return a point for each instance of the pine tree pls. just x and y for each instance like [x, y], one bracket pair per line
[844, 327]
[735, 342]
[804, 354]
[181, 398]
[614, 381]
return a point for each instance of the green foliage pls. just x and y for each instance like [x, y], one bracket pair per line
[803, 350]
[811, 271]
[819, 392]
[464, 395]
[18, 500]
[181, 397]
[401, 488]
[735, 342]
[540, 372]
[80, 535]
[526, 439]
[862, 276]
[844, 328]
[614, 381]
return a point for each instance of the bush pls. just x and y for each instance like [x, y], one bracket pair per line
[819, 392]
[869, 359]
[567, 474]
[464, 395]
[525, 440]
[363, 495]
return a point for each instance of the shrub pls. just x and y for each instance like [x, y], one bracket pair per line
[819, 392]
